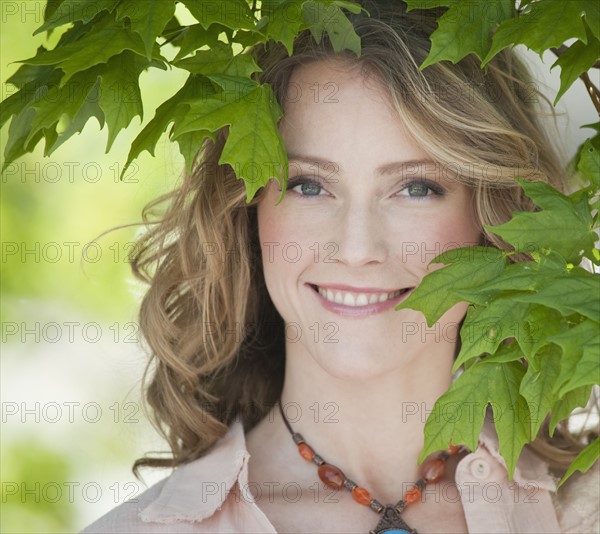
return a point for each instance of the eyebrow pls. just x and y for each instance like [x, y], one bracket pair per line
[396, 167]
[400, 167]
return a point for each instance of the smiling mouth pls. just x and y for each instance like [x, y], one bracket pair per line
[349, 298]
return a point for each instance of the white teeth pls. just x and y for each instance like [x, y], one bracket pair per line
[362, 300]
[356, 299]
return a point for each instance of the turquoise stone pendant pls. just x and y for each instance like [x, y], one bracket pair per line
[392, 523]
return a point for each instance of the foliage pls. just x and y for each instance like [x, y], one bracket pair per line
[531, 336]
[94, 72]
[509, 361]
[530, 342]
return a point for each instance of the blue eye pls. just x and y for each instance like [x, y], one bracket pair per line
[420, 190]
[308, 188]
[417, 190]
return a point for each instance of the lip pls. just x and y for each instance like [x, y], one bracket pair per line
[358, 311]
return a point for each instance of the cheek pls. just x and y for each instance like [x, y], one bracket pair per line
[285, 246]
[457, 225]
[423, 238]
[457, 231]
[278, 235]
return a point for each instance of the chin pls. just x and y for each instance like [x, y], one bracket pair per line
[355, 367]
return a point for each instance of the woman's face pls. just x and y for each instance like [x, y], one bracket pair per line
[363, 215]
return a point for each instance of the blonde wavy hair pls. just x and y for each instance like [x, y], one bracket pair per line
[216, 339]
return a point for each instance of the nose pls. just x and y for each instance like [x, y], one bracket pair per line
[360, 235]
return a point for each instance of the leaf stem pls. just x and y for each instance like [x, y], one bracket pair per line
[593, 91]
[176, 33]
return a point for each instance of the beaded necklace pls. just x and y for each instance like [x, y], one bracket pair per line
[391, 521]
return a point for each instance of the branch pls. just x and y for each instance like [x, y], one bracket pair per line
[592, 90]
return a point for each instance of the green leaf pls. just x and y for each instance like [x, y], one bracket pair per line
[249, 38]
[189, 144]
[587, 371]
[521, 276]
[18, 132]
[542, 25]
[428, 4]
[285, 22]
[570, 294]
[89, 109]
[234, 14]
[255, 141]
[120, 96]
[254, 147]
[196, 36]
[33, 83]
[172, 110]
[584, 460]
[589, 164]
[486, 327]
[513, 425]
[268, 6]
[220, 60]
[74, 10]
[507, 352]
[458, 414]
[327, 16]
[216, 109]
[571, 342]
[96, 47]
[31, 73]
[148, 19]
[466, 28]
[575, 61]
[560, 227]
[591, 13]
[468, 268]
[51, 7]
[63, 100]
[537, 384]
[563, 408]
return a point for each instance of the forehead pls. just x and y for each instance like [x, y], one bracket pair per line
[331, 81]
[340, 111]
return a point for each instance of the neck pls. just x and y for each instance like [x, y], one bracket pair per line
[352, 422]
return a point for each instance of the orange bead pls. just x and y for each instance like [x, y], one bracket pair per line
[361, 495]
[331, 476]
[433, 470]
[306, 452]
[412, 495]
[453, 449]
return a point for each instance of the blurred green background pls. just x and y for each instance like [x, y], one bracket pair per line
[72, 421]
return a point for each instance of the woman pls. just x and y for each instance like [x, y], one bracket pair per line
[267, 318]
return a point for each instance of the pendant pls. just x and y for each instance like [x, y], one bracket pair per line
[392, 523]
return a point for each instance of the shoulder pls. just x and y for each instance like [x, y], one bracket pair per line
[125, 517]
[186, 501]
[576, 502]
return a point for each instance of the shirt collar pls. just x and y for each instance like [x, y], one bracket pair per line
[194, 491]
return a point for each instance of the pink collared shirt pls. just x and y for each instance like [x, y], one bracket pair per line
[204, 496]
